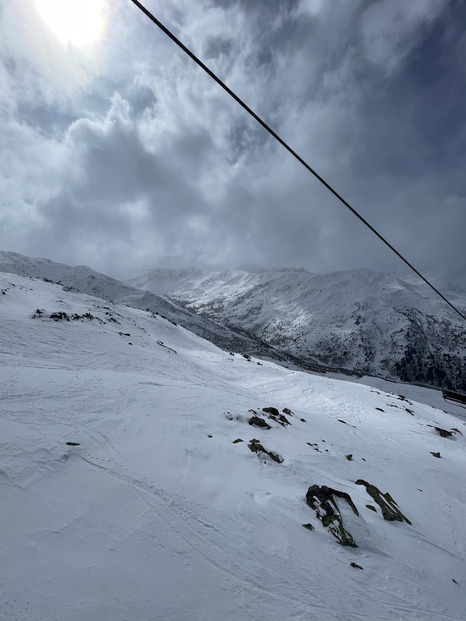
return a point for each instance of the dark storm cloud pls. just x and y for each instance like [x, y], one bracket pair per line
[133, 157]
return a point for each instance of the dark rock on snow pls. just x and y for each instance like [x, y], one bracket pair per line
[443, 432]
[323, 501]
[256, 447]
[390, 510]
[255, 421]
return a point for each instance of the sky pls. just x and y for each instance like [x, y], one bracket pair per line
[121, 154]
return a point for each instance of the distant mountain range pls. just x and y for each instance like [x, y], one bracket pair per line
[357, 322]
[360, 321]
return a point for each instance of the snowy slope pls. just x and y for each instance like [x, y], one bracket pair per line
[87, 280]
[155, 513]
[358, 320]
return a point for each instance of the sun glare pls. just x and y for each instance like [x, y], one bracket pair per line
[77, 22]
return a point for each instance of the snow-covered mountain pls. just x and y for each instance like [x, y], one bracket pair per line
[359, 320]
[147, 474]
[86, 280]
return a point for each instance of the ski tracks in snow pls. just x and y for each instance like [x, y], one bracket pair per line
[207, 543]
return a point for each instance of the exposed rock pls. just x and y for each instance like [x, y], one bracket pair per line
[403, 398]
[162, 344]
[372, 508]
[72, 444]
[349, 457]
[308, 526]
[443, 432]
[282, 420]
[303, 420]
[237, 440]
[255, 421]
[275, 415]
[436, 454]
[322, 500]
[389, 507]
[345, 423]
[58, 316]
[356, 566]
[256, 447]
[287, 411]
[380, 409]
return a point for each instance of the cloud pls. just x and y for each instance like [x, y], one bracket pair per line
[126, 155]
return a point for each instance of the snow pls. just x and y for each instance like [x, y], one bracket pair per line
[358, 320]
[149, 517]
[87, 280]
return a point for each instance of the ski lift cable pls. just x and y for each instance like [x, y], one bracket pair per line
[284, 144]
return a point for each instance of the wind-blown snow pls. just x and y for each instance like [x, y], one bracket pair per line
[149, 517]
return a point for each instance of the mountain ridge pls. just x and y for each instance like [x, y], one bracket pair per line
[363, 321]
[86, 280]
[356, 322]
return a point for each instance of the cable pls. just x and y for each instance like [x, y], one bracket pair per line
[214, 77]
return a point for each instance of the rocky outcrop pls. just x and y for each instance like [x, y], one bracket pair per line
[255, 421]
[323, 501]
[390, 510]
[275, 415]
[256, 447]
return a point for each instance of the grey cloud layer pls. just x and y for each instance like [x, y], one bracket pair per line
[132, 157]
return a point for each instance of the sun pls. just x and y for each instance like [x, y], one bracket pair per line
[75, 22]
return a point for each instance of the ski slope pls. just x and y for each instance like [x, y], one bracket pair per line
[156, 514]
[86, 280]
